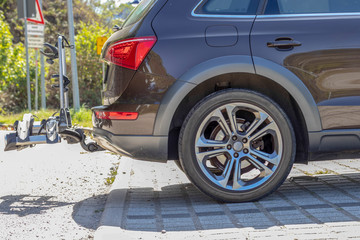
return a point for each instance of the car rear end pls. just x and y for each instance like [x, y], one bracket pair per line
[132, 87]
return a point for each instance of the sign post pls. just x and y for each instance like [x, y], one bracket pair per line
[30, 11]
[36, 80]
[36, 40]
[75, 83]
[42, 64]
[27, 58]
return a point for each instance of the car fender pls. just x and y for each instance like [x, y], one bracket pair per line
[235, 64]
[296, 88]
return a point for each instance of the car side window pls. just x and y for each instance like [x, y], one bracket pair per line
[311, 6]
[227, 7]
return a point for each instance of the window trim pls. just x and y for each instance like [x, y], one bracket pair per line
[308, 15]
[339, 14]
[217, 15]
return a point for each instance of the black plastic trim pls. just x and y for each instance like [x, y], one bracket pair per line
[334, 140]
[150, 148]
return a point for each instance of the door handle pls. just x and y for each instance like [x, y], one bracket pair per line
[284, 45]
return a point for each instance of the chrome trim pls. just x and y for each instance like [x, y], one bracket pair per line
[309, 15]
[39, 139]
[217, 16]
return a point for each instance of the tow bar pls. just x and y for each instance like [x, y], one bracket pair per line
[28, 133]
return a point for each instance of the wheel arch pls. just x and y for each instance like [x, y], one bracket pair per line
[264, 77]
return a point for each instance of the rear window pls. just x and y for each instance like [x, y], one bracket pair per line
[227, 7]
[311, 6]
[139, 12]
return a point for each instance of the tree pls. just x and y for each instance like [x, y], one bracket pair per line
[90, 16]
[89, 65]
[12, 74]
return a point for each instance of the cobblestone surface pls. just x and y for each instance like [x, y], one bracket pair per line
[318, 201]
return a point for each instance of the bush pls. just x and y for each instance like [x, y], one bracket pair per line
[89, 64]
[13, 91]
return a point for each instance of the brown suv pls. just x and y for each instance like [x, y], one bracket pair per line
[234, 91]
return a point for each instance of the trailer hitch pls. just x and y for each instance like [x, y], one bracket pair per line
[29, 133]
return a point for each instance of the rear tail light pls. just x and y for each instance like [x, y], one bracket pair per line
[130, 53]
[117, 115]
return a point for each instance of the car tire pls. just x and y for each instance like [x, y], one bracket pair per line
[178, 164]
[237, 145]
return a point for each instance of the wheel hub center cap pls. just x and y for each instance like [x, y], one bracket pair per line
[238, 146]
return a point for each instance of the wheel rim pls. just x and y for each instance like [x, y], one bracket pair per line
[238, 146]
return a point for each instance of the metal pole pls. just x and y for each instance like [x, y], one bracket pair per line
[75, 83]
[66, 94]
[43, 94]
[61, 79]
[36, 80]
[42, 64]
[103, 69]
[27, 58]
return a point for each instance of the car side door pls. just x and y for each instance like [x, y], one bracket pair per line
[319, 41]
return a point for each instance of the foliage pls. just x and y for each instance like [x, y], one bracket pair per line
[109, 13]
[89, 65]
[82, 117]
[112, 175]
[92, 18]
[12, 71]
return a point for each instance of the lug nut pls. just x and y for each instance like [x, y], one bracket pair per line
[246, 151]
[236, 155]
[234, 138]
[244, 140]
[228, 147]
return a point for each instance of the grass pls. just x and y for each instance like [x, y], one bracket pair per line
[81, 118]
[319, 172]
[112, 175]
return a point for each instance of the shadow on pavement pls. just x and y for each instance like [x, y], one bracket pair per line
[182, 207]
[87, 213]
[23, 205]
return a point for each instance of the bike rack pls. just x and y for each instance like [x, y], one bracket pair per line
[29, 133]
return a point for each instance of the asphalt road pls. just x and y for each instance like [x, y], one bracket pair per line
[52, 191]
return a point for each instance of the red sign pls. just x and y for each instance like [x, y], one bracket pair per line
[39, 16]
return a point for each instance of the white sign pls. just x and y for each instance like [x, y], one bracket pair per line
[35, 30]
[35, 42]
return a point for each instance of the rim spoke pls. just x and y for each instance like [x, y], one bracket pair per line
[222, 122]
[263, 131]
[202, 142]
[232, 117]
[256, 124]
[265, 171]
[227, 172]
[209, 154]
[237, 175]
[271, 158]
[216, 132]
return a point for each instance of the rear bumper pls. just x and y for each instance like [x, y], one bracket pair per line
[149, 148]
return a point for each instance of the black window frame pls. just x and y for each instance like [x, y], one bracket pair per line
[276, 10]
[252, 11]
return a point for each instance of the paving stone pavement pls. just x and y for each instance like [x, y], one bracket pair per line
[156, 201]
